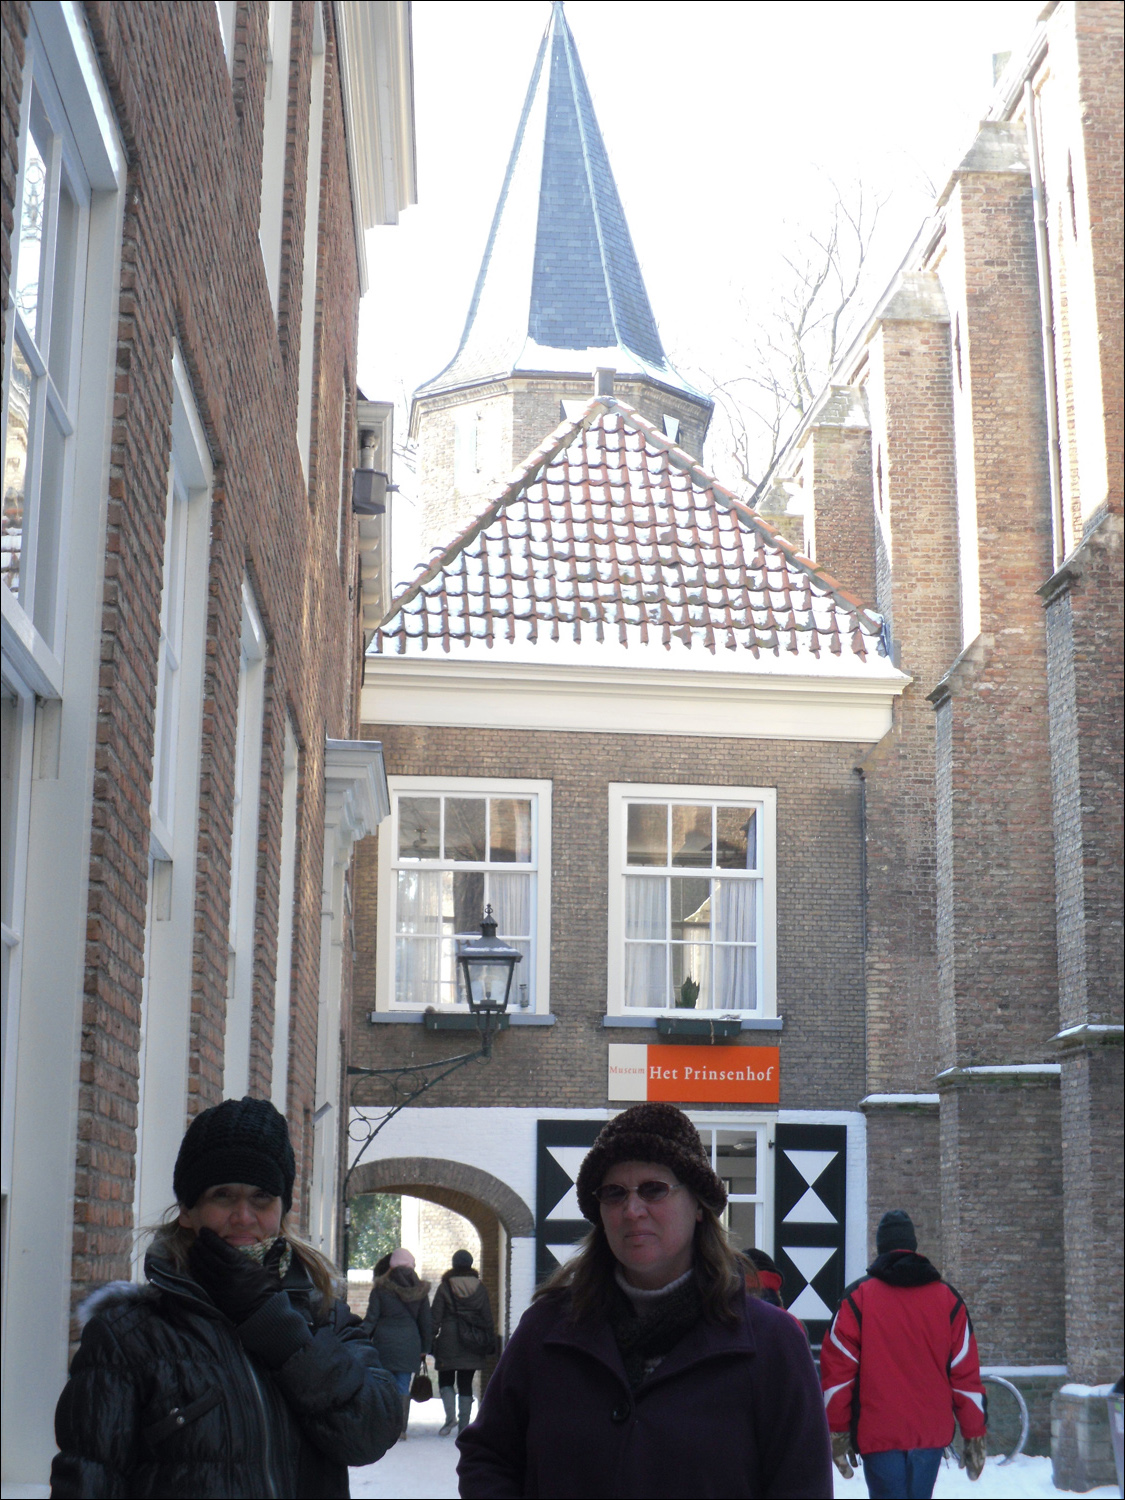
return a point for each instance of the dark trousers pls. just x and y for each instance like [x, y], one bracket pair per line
[902, 1474]
[464, 1381]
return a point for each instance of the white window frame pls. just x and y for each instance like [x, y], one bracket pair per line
[84, 151]
[762, 798]
[764, 1126]
[275, 139]
[244, 848]
[227, 11]
[283, 982]
[540, 868]
[312, 238]
[165, 1021]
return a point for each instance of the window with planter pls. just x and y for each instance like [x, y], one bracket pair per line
[691, 900]
[450, 848]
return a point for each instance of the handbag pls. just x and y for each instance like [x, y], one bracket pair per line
[422, 1387]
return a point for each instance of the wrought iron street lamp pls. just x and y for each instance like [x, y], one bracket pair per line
[487, 966]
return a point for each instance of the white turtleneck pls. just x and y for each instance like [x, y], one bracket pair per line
[641, 1296]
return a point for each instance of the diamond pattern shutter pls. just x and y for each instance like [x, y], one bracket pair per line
[810, 1193]
[559, 1224]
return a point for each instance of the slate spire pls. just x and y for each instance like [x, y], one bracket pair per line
[560, 287]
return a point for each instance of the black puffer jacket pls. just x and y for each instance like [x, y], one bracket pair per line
[398, 1319]
[164, 1399]
[465, 1293]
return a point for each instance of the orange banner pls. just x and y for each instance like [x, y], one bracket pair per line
[713, 1075]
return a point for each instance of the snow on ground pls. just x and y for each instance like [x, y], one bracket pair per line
[425, 1468]
[1023, 1479]
[422, 1468]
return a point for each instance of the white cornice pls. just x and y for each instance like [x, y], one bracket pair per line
[624, 700]
[377, 80]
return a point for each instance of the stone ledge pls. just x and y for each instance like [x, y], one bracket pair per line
[1002, 1076]
[1082, 1038]
[911, 1104]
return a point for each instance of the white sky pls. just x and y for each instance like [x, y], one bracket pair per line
[722, 122]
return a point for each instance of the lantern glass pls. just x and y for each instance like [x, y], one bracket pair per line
[487, 966]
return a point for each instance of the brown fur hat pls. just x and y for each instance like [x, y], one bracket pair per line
[650, 1132]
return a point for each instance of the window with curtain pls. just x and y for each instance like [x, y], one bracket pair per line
[454, 852]
[688, 922]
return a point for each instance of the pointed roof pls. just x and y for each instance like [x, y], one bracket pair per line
[560, 287]
[613, 546]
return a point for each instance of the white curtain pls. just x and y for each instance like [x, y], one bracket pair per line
[510, 896]
[646, 910]
[419, 908]
[736, 978]
[417, 971]
[646, 974]
[734, 910]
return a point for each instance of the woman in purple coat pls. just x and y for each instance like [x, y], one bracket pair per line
[644, 1368]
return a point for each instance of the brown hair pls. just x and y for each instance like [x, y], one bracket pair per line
[171, 1241]
[720, 1270]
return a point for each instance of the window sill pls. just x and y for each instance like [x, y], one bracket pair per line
[461, 1023]
[747, 1023]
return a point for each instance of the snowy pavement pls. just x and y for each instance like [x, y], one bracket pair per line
[425, 1468]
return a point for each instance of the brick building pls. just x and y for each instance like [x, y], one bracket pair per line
[185, 194]
[963, 472]
[940, 931]
[622, 709]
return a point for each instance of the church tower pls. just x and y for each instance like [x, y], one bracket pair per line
[559, 294]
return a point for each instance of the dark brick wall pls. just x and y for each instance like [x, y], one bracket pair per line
[904, 1171]
[820, 968]
[1002, 1180]
[192, 272]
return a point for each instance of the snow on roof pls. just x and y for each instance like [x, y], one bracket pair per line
[612, 545]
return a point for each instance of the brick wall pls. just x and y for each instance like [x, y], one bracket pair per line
[192, 273]
[820, 972]
[839, 465]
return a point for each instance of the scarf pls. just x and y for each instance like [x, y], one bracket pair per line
[261, 1248]
[646, 1329]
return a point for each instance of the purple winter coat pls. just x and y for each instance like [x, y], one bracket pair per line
[730, 1411]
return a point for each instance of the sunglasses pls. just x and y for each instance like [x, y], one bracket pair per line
[613, 1195]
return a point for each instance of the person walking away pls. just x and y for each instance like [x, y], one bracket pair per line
[464, 1337]
[234, 1370]
[643, 1366]
[399, 1322]
[899, 1363]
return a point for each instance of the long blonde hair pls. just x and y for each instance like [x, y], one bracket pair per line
[171, 1241]
[721, 1273]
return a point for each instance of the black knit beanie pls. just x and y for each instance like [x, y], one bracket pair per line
[462, 1260]
[650, 1132]
[240, 1140]
[895, 1232]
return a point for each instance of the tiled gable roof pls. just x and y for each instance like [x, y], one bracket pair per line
[611, 534]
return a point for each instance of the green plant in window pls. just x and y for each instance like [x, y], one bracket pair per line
[689, 994]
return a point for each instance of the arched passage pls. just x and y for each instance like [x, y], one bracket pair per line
[496, 1212]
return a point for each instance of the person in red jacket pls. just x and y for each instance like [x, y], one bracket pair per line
[898, 1366]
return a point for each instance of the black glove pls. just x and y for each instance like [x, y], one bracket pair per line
[237, 1285]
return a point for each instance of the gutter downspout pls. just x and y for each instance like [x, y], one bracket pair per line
[1047, 328]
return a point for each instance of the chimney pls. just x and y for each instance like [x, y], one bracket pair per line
[603, 381]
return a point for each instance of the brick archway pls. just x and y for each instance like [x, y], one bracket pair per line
[443, 1181]
[489, 1205]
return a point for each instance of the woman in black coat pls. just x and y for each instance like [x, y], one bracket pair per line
[398, 1321]
[234, 1371]
[644, 1367]
[464, 1337]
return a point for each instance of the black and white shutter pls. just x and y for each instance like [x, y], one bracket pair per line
[559, 1224]
[810, 1193]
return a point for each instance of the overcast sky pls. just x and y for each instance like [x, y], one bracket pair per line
[723, 122]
